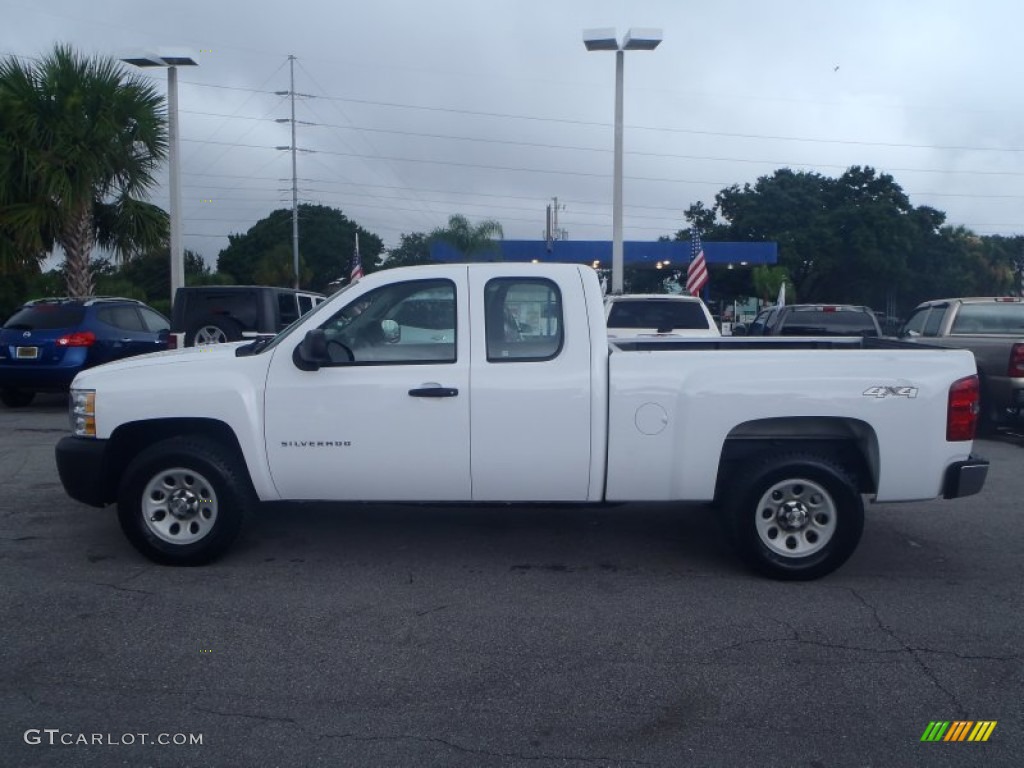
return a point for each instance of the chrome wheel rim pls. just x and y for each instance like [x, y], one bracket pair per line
[796, 518]
[179, 506]
[210, 334]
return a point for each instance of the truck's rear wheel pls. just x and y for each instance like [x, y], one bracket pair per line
[184, 500]
[796, 517]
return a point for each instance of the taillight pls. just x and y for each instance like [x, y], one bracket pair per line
[1016, 361]
[962, 410]
[77, 339]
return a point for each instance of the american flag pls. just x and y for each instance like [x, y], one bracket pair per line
[357, 264]
[697, 273]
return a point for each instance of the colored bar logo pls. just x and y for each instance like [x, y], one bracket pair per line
[959, 730]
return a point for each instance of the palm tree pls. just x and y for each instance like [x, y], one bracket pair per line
[80, 140]
[467, 239]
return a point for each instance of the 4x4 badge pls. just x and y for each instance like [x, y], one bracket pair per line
[910, 392]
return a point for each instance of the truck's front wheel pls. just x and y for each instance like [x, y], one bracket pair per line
[797, 517]
[184, 500]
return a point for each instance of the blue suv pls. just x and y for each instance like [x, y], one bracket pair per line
[46, 342]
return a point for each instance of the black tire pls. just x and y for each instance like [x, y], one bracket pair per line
[16, 398]
[184, 500]
[222, 329]
[796, 517]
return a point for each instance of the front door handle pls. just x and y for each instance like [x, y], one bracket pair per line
[434, 392]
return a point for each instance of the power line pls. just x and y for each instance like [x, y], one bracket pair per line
[636, 153]
[665, 129]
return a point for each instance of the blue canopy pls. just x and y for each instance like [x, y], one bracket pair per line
[636, 253]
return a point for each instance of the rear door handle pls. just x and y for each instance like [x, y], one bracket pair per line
[434, 392]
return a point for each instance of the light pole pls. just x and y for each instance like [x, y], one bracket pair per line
[607, 40]
[171, 58]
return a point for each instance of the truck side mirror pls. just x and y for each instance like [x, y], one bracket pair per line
[391, 331]
[312, 351]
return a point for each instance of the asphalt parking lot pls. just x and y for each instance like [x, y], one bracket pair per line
[405, 636]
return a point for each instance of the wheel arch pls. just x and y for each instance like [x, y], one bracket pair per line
[128, 440]
[851, 442]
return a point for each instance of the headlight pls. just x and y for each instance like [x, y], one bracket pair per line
[83, 412]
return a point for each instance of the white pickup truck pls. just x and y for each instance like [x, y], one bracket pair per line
[497, 383]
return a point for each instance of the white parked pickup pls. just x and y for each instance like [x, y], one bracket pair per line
[497, 382]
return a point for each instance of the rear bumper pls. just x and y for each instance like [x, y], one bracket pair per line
[965, 478]
[81, 466]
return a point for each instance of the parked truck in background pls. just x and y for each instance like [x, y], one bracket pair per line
[514, 393]
[992, 328]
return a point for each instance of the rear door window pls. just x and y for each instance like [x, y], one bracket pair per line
[522, 320]
[125, 318]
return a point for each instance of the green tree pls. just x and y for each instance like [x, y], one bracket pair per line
[412, 249]
[327, 243]
[473, 241]
[768, 280]
[277, 267]
[80, 140]
[852, 239]
[150, 272]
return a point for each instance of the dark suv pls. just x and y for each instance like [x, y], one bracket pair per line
[46, 342]
[812, 320]
[213, 314]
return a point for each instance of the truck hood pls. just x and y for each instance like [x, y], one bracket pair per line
[206, 355]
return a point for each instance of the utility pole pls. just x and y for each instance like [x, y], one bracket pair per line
[551, 229]
[295, 181]
[557, 232]
[295, 178]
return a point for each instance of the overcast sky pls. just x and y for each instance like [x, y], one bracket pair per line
[490, 108]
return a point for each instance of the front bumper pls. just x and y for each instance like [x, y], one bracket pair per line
[965, 478]
[82, 468]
